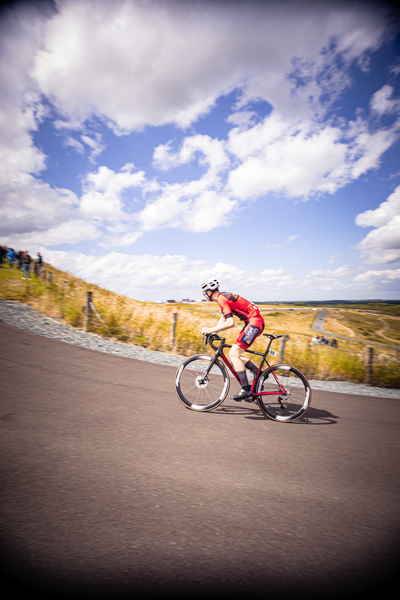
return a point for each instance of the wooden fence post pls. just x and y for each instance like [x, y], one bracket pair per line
[49, 277]
[43, 274]
[282, 344]
[173, 328]
[96, 312]
[368, 360]
[87, 307]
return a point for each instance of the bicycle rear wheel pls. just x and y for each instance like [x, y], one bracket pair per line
[284, 407]
[198, 390]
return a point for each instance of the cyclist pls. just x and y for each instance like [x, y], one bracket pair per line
[233, 304]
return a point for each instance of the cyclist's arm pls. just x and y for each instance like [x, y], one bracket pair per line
[222, 324]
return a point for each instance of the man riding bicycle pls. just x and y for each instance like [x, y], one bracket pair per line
[233, 304]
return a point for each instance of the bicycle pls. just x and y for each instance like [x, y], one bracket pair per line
[202, 383]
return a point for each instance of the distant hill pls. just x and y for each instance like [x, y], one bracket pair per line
[391, 307]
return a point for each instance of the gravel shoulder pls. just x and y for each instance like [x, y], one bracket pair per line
[24, 317]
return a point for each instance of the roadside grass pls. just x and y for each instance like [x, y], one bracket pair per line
[148, 325]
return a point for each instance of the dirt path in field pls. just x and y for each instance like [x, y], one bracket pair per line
[381, 332]
[320, 323]
[336, 324]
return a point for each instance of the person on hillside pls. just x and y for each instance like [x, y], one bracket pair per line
[233, 304]
[10, 258]
[2, 254]
[38, 264]
[18, 259]
[26, 265]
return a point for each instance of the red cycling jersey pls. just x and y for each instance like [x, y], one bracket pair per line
[233, 304]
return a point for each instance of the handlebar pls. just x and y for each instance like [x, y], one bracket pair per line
[210, 338]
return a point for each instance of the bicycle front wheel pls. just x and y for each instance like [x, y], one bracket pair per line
[290, 404]
[199, 389]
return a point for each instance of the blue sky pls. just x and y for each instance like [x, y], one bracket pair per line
[146, 146]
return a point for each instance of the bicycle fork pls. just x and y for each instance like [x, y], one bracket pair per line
[219, 353]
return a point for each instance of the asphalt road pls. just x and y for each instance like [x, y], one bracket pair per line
[111, 488]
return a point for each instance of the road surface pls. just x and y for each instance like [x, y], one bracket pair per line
[111, 488]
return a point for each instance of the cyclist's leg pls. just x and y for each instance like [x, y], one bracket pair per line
[246, 337]
[235, 355]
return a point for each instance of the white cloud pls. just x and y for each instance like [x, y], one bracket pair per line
[20, 33]
[348, 280]
[102, 198]
[70, 142]
[382, 101]
[212, 153]
[31, 210]
[328, 280]
[69, 232]
[332, 274]
[152, 63]
[28, 204]
[176, 208]
[332, 258]
[303, 158]
[242, 119]
[379, 280]
[151, 276]
[131, 64]
[144, 276]
[383, 214]
[159, 277]
[382, 244]
[95, 144]
[198, 205]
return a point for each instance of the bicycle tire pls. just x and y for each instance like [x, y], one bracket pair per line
[294, 404]
[193, 391]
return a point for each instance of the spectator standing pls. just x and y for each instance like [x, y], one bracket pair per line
[2, 255]
[10, 257]
[26, 265]
[18, 259]
[38, 265]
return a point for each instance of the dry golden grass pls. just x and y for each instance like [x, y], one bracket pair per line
[148, 324]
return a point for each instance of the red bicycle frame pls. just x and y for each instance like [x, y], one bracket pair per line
[220, 353]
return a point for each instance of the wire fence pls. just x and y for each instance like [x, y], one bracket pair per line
[166, 328]
[348, 361]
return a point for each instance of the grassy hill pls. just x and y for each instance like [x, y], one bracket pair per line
[148, 324]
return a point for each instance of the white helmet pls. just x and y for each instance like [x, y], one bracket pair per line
[209, 285]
